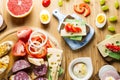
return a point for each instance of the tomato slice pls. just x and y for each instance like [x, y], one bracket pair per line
[19, 49]
[24, 34]
[68, 27]
[71, 28]
[43, 52]
[79, 10]
[46, 3]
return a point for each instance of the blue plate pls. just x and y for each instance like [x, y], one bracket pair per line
[74, 45]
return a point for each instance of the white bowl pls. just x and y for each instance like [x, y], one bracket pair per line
[104, 69]
[88, 63]
[47, 13]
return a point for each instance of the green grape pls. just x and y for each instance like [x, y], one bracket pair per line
[87, 1]
[116, 4]
[113, 18]
[111, 28]
[102, 2]
[60, 3]
[105, 8]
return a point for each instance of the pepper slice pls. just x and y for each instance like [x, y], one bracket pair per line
[82, 8]
[87, 9]
[79, 10]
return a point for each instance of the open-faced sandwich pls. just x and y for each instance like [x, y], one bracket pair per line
[110, 48]
[74, 29]
[37, 56]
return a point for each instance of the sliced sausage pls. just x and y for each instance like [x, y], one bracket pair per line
[20, 65]
[41, 78]
[40, 70]
[21, 76]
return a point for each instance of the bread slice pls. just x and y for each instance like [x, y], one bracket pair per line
[102, 49]
[4, 61]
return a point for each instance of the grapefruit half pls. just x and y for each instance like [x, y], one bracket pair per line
[19, 8]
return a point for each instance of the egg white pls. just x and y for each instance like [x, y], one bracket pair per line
[101, 25]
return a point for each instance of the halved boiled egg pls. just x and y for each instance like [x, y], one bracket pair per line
[44, 17]
[101, 20]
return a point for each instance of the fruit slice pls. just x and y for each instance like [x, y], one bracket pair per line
[19, 8]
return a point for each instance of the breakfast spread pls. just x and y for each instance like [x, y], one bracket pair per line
[30, 53]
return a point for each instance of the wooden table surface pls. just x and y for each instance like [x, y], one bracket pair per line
[90, 49]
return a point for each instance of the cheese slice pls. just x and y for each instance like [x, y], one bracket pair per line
[4, 61]
[54, 56]
[54, 61]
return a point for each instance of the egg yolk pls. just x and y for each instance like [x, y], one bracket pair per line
[44, 17]
[101, 19]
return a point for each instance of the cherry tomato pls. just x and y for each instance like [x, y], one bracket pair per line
[24, 34]
[19, 49]
[71, 28]
[46, 3]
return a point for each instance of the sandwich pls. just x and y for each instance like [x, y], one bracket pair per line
[110, 48]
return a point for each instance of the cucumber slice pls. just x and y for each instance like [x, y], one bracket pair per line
[78, 38]
[114, 55]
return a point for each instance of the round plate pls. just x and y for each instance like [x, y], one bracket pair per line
[11, 36]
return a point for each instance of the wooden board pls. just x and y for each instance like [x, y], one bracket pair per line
[11, 35]
[88, 51]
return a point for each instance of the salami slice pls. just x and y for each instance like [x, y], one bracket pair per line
[21, 76]
[41, 78]
[40, 70]
[20, 65]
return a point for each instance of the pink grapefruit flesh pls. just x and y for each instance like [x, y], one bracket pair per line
[19, 8]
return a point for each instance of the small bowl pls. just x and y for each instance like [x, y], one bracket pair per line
[105, 69]
[45, 14]
[85, 60]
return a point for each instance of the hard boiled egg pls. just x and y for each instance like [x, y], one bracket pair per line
[44, 17]
[101, 20]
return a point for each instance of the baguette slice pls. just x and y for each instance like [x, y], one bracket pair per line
[4, 61]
